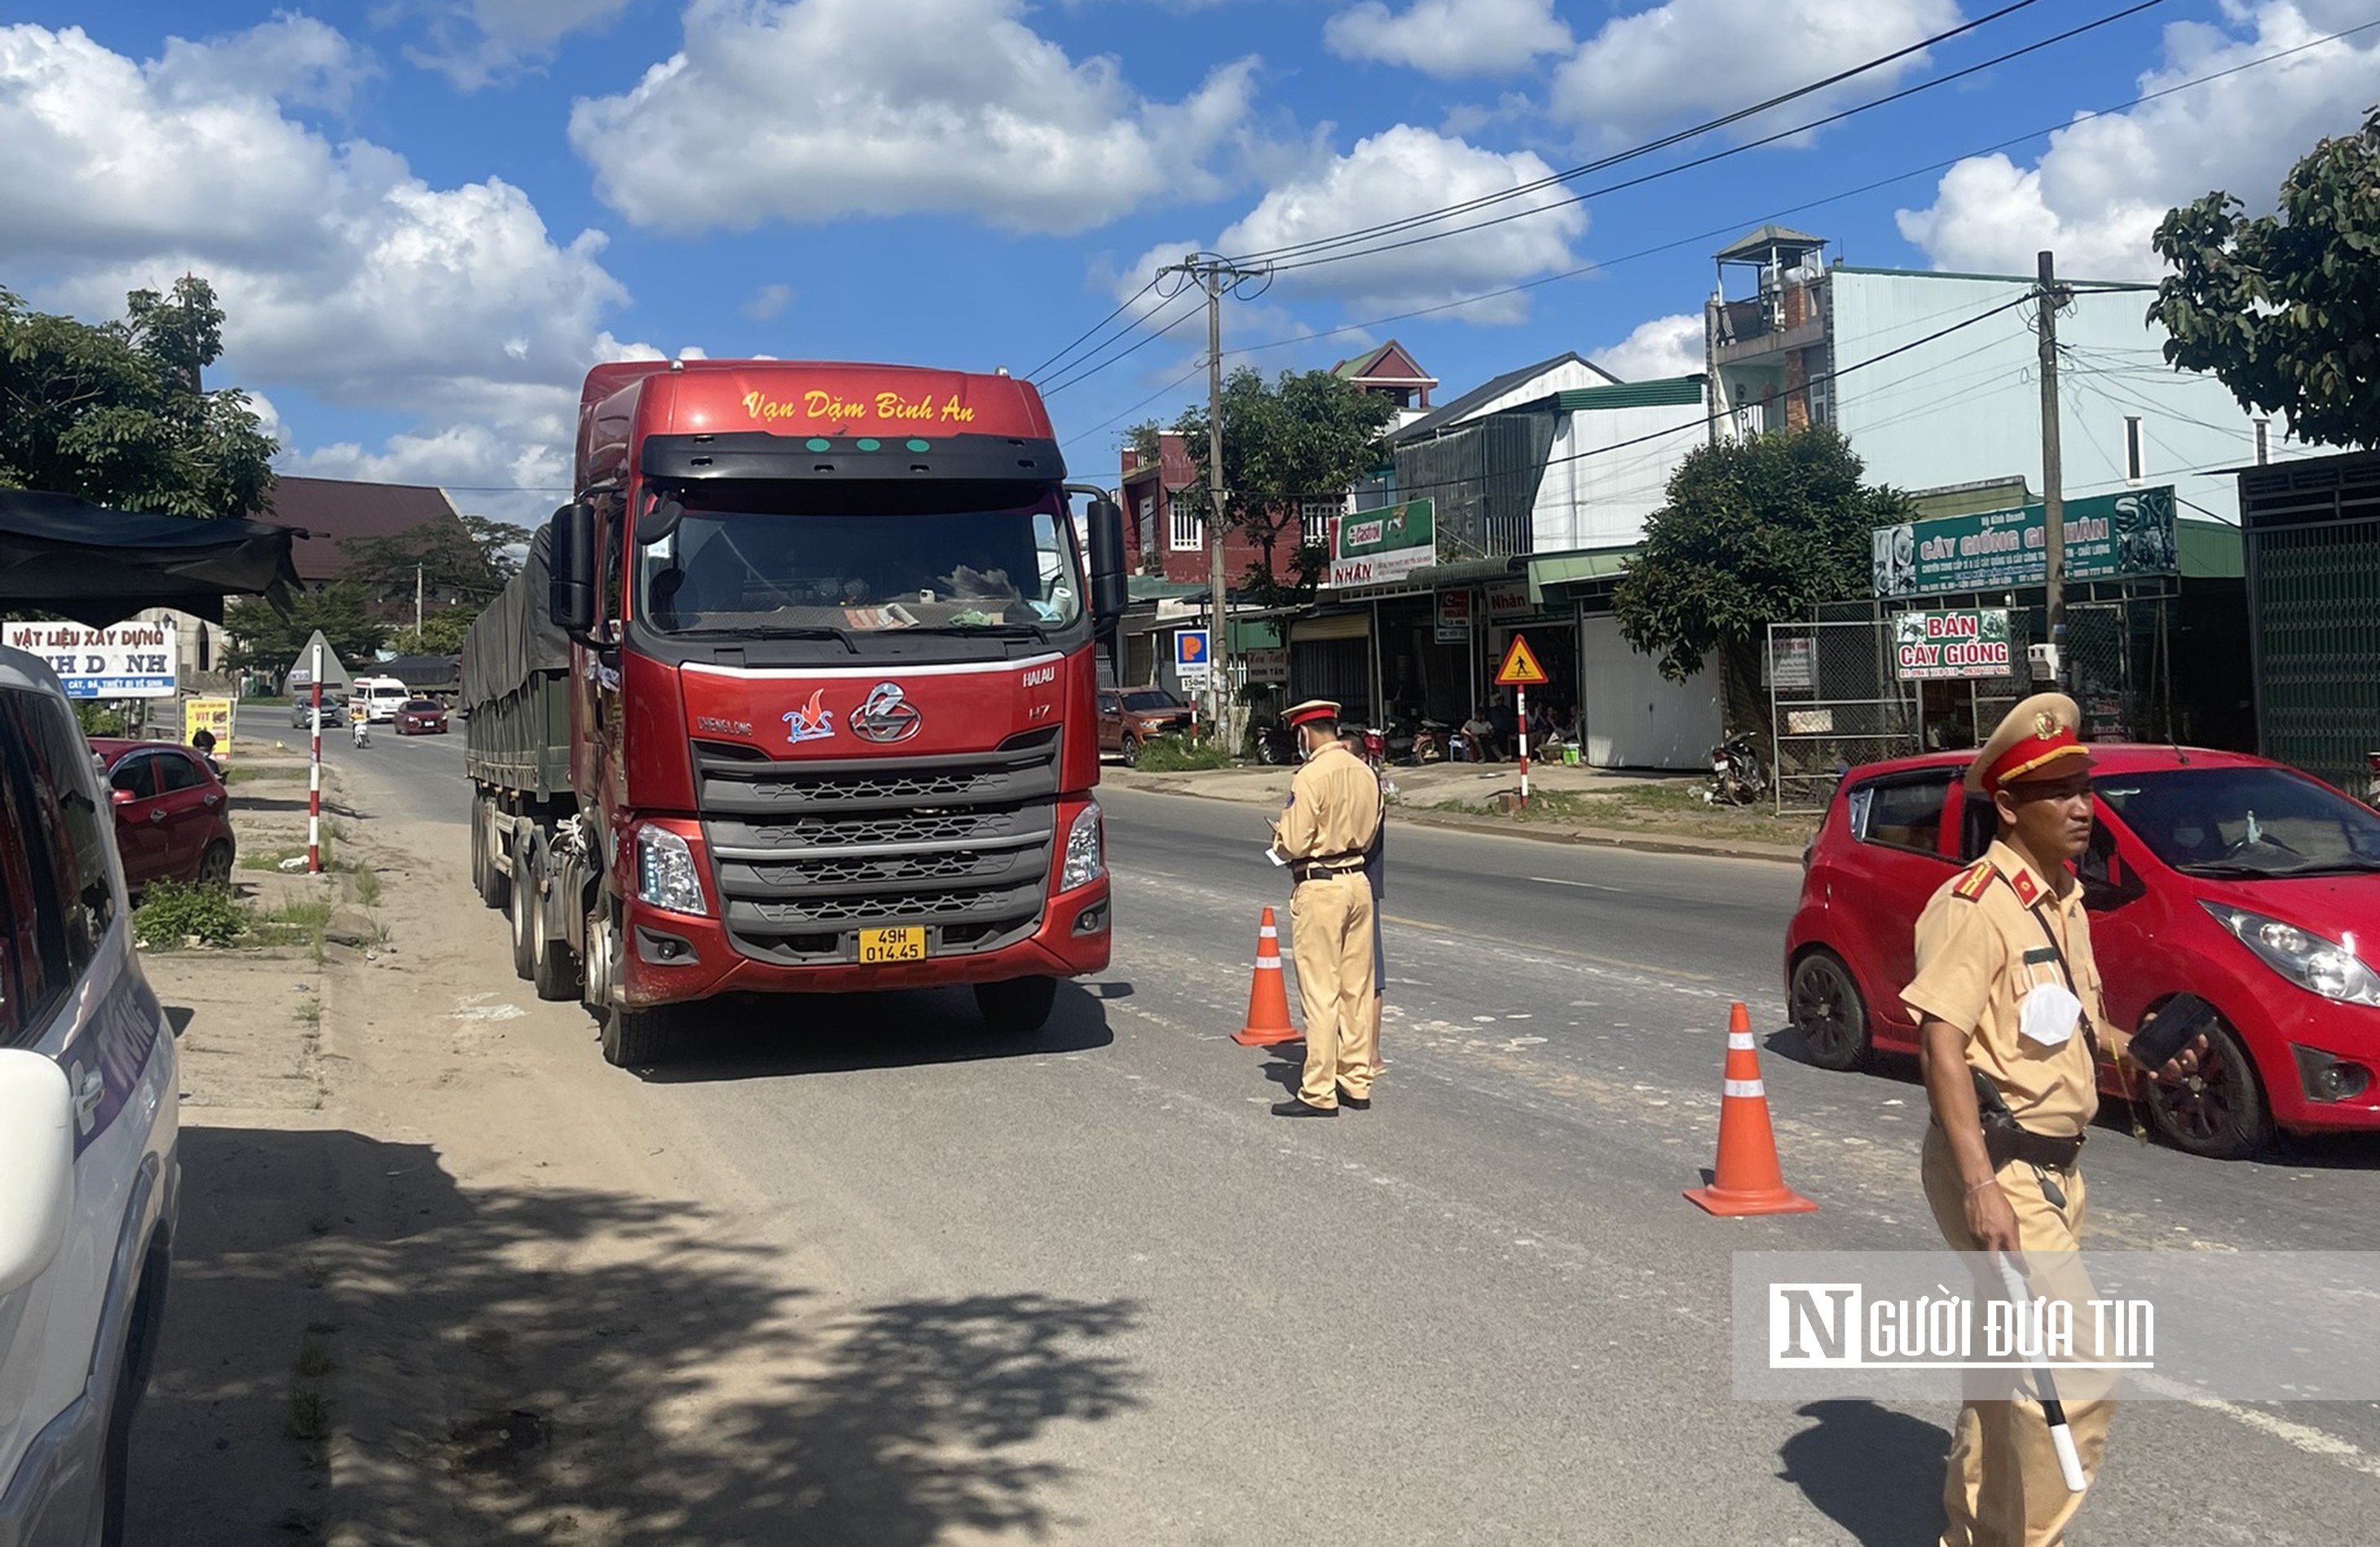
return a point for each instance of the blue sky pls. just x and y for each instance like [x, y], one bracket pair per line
[428, 217]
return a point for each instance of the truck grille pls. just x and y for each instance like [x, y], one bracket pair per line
[806, 855]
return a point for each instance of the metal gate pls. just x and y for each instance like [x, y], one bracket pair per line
[1834, 702]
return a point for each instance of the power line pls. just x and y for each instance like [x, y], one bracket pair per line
[1733, 225]
[1035, 374]
[1708, 419]
[1325, 257]
[1089, 369]
[1633, 153]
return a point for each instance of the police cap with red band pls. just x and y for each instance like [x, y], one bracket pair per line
[1311, 710]
[2036, 741]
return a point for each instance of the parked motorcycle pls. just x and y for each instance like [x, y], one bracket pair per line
[1737, 778]
[1376, 747]
[1429, 742]
[1275, 743]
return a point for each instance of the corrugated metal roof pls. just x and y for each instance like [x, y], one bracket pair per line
[1666, 392]
[1754, 244]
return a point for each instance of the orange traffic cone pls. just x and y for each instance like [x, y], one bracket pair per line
[1747, 1179]
[1268, 1001]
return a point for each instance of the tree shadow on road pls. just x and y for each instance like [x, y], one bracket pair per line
[772, 1036]
[493, 1365]
[1873, 1471]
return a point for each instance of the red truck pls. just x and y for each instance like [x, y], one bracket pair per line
[798, 695]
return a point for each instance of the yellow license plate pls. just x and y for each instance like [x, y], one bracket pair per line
[901, 944]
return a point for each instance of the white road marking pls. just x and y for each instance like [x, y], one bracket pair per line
[1582, 885]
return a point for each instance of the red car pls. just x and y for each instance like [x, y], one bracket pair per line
[421, 717]
[1129, 717]
[2245, 883]
[173, 821]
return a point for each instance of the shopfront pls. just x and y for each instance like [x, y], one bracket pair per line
[1330, 657]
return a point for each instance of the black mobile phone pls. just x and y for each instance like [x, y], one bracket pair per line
[2176, 1027]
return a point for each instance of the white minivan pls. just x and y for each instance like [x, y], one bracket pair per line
[90, 1123]
[381, 696]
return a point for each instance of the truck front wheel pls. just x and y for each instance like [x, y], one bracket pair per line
[1018, 1007]
[637, 1039]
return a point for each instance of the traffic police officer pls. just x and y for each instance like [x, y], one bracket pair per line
[1323, 835]
[2012, 1021]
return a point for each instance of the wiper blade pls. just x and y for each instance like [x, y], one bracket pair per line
[2253, 872]
[807, 631]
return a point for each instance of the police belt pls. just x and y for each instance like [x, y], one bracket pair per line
[2005, 1139]
[1322, 870]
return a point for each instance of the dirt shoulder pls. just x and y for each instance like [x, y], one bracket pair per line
[1656, 812]
[445, 1278]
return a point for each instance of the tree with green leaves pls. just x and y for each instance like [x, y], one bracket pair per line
[442, 633]
[117, 412]
[463, 562]
[1309, 435]
[2285, 309]
[1750, 532]
[265, 642]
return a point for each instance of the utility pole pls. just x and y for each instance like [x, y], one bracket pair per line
[417, 603]
[1215, 275]
[2050, 296]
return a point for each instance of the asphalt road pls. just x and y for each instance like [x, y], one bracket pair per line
[1480, 1313]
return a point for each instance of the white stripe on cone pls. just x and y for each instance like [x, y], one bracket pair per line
[1741, 1042]
[1268, 964]
[1745, 1087]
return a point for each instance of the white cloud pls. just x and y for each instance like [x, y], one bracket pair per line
[808, 110]
[1664, 347]
[344, 276]
[1406, 171]
[1693, 58]
[767, 302]
[2098, 192]
[478, 42]
[1448, 38]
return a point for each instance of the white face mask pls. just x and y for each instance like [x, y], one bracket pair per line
[2051, 1012]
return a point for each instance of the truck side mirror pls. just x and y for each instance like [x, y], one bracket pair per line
[571, 562]
[1109, 593]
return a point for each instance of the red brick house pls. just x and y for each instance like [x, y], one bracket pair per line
[1163, 533]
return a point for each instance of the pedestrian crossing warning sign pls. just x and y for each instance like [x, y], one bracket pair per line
[1520, 669]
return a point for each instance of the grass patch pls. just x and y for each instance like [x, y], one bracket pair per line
[1174, 754]
[1675, 807]
[245, 775]
[171, 914]
[310, 1013]
[310, 1417]
[363, 884]
[314, 1361]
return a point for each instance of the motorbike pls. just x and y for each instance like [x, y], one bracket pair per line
[1276, 744]
[360, 732]
[1376, 747]
[1737, 778]
[1429, 742]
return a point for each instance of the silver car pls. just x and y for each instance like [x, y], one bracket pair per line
[90, 1128]
[301, 710]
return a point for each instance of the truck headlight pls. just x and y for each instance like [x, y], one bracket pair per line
[1086, 852]
[665, 873]
[2314, 963]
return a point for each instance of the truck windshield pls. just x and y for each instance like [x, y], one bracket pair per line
[862, 558]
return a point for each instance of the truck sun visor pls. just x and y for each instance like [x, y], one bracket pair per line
[756, 453]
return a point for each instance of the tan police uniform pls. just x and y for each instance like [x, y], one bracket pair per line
[1325, 831]
[1988, 940]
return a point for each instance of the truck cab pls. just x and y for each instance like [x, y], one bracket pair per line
[831, 696]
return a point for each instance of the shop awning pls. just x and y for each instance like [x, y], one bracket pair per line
[1583, 567]
[61, 554]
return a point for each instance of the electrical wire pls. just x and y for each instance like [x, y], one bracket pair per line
[1035, 374]
[1633, 153]
[1734, 225]
[1086, 371]
[1326, 257]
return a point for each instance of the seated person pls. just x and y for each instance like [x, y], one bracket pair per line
[1481, 735]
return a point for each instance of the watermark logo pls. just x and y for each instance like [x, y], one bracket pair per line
[1839, 1326]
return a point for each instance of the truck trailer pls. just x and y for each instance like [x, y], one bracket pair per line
[798, 696]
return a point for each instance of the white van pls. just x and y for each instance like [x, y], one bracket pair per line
[89, 1124]
[381, 696]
